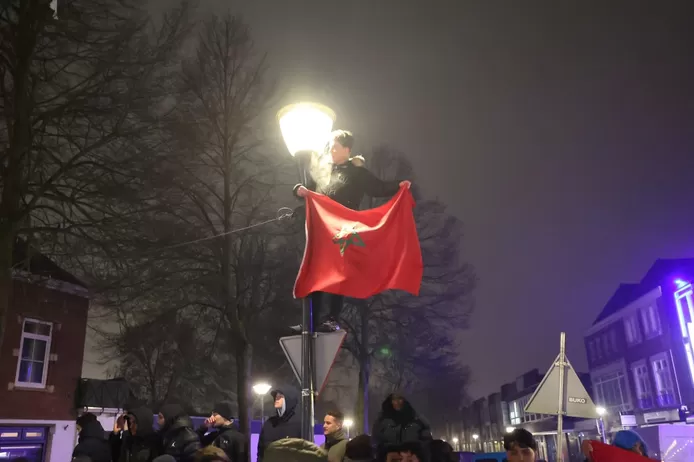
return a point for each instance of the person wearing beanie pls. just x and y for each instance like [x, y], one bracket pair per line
[359, 449]
[398, 424]
[520, 446]
[179, 440]
[220, 431]
[294, 450]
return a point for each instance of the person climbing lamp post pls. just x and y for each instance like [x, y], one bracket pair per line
[306, 128]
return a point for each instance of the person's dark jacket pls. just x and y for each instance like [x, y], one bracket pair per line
[143, 446]
[229, 439]
[287, 425]
[178, 438]
[394, 428]
[92, 443]
[347, 183]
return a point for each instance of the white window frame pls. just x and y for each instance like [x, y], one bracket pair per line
[47, 355]
[618, 373]
[665, 358]
[631, 321]
[651, 321]
[640, 393]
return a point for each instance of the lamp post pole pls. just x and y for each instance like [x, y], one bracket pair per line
[305, 128]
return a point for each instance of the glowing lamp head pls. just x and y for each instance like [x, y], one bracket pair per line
[305, 126]
[509, 429]
[348, 423]
[455, 440]
[475, 437]
[601, 411]
[261, 388]
[680, 283]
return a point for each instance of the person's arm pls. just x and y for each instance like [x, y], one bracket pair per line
[310, 182]
[374, 186]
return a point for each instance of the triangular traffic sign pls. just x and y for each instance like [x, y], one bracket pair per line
[327, 346]
[577, 401]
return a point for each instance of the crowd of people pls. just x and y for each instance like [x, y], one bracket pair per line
[399, 433]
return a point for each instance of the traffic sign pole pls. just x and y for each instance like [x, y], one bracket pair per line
[308, 376]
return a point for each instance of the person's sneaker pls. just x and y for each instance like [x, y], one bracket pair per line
[328, 326]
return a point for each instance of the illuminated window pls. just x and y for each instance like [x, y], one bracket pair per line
[632, 330]
[685, 315]
[611, 390]
[34, 351]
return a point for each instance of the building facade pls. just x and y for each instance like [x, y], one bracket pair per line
[41, 358]
[640, 351]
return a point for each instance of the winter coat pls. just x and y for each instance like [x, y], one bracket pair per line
[92, 443]
[179, 440]
[143, 446]
[336, 445]
[228, 439]
[294, 450]
[395, 428]
[347, 183]
[287, 425]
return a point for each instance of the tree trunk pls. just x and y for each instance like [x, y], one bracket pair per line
[244, 353]
[362, 408]
[6, 246]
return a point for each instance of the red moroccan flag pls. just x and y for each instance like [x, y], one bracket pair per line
[360, 253]
[606, 453]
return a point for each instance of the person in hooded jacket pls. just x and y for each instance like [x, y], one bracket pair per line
[286, 423]
[226, 435]
[397, 424]
[92, 441]
[139, 443]
[178, 439]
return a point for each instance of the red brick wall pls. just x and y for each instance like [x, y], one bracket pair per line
[69, 314]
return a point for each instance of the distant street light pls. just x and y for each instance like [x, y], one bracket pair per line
[475, 437]
[510, 429]
[455, 440]
[455, 443]
[261, 389]
[348, 425]
[306, 128]
[601, 411]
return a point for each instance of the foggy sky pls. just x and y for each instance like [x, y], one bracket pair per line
[562, 136]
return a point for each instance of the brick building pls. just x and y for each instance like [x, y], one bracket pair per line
[41, 357]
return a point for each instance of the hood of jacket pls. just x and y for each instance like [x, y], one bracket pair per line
[175, 417]
[145, 420]
[92, 429]
[407, 413]
[291, 399]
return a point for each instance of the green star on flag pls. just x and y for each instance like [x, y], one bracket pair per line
[347, 236]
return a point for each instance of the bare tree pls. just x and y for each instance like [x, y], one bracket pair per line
[77, 99]
[422, 326]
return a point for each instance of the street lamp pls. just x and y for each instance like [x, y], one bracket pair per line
[305, 128]
[348, 425]
[476, 437]
[261, 389]
[455, 443]
[510, 429]
[600, 422]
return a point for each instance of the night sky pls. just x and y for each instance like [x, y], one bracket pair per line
[562, 136]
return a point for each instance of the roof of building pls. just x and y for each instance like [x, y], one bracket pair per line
[660, 270]
[26, 258]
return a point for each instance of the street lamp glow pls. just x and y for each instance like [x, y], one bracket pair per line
[455, 440]
[305, 126]
[510, 429]
[348, 423]
[475, 437]
[601, 411]
[261, 388]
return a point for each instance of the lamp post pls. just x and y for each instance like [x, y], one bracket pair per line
[261, 389]
[455, 444]
[348, 425]
[476, 437]
[602, 412]
[305, 128]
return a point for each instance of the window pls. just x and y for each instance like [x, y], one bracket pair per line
[651, 321]
[611, 391]
[613, 340]
[664, 385]
[35, 347]
[591, 350]
[643, 385]
[631, 327]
